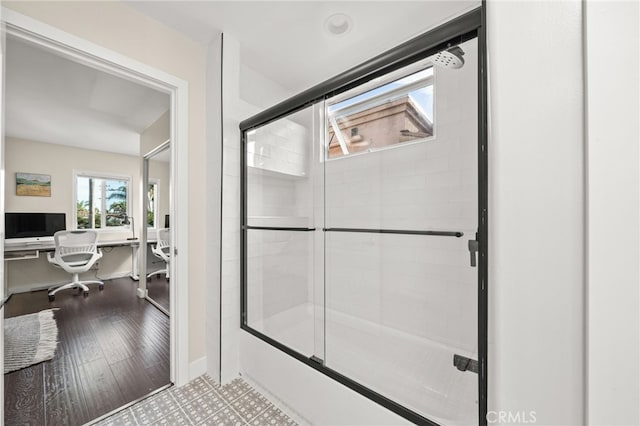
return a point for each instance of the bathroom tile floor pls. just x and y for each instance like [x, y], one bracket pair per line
[203, 402]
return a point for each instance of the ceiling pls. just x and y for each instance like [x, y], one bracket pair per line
[286, 41]
[52, 99]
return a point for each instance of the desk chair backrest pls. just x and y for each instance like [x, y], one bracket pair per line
[163, 245]
[76, 250]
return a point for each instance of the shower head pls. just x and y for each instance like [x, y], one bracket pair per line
[450, 58]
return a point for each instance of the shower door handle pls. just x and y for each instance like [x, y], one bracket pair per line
[474, 247]
[462, 363]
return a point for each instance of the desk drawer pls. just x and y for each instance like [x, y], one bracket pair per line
[21, 255]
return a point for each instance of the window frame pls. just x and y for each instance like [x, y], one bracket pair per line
[104, 176]
[378, 100]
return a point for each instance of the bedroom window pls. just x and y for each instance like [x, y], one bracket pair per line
[101, 202]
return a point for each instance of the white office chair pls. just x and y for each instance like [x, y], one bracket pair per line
[76, 252]
[162, 250]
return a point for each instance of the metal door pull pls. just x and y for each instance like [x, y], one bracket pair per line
[474, 247]
[463, 363]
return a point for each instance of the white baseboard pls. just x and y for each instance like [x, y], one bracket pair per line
[197, 368]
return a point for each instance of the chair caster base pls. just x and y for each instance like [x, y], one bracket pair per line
[85, 294]
[100, 287]
[52, 297]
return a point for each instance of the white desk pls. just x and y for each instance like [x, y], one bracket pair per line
[25, 251]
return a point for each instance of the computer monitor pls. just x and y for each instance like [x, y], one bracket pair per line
[166, 221]
[33, 226]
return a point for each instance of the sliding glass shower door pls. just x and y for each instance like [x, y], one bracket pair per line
[359, 241]
[284, 259]
[400, 208]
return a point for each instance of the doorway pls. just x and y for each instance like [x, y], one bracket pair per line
[79, 51]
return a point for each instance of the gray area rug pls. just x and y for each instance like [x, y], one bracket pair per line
[29, 339]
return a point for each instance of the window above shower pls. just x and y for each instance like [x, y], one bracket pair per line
[397, 110]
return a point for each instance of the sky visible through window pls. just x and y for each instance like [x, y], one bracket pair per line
[423, 97]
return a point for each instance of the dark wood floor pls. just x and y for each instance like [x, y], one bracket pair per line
[113, 348]
[158, 290]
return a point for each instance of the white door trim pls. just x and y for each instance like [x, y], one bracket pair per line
[98, 57]
[3, 282]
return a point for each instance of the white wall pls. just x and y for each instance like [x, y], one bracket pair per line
[156, 134]
[60, 162]
[536, 210]
[613, 114]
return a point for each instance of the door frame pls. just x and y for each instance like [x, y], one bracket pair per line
[92, 55]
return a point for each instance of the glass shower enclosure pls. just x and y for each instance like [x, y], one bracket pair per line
[359, 245]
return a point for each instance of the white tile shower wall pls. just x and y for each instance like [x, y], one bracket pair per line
[277, 272]
[278, 194]
[280, 146]
[416, 284]
[279, 182]
[271, 199]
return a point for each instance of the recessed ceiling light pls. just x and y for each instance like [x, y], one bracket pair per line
[338, 24]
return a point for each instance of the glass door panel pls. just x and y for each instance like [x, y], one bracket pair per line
[398, 308]
[279, 174]
[394, 183]
[401, 294]
[282, 230]
[280, 287]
